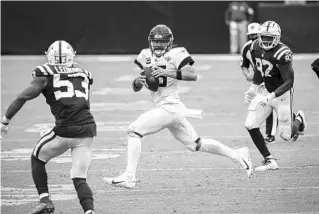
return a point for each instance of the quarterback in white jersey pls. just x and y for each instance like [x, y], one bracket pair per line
[171, 65]
[173, 60]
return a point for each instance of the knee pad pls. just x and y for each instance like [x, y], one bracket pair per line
[250, 122]
[284, 117]
[285, 133]
[132, 133]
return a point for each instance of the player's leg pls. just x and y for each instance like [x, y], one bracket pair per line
[256, 115]
[49, 146]
[81, 150]
[185, 133]
[290, 126]
[148, 123]
[271, 127]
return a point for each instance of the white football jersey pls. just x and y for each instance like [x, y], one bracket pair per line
[174, 59]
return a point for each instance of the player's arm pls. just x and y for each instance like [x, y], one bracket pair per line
[32, 91]
[184, 69]
[244, 64]
[139, 81]
[257, 79]
[287, 74]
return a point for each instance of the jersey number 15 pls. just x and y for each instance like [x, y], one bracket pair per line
[70, 86]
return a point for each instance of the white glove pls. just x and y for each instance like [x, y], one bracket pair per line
[250, 94]
[4, 125]
[266, 99]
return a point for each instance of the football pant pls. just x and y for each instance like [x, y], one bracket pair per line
[51, 145]
[170, 116]
[283, 108]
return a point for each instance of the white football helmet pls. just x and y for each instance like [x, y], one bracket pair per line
[253, 30]
[60, 53]
[270, 34]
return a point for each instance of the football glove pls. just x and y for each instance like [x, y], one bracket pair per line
[264, 100]
[250, 94]
[4, 125]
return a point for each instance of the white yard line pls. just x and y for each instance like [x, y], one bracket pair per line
[164, 169]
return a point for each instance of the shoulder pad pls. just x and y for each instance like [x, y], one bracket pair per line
[246, 46]
[43, 70]
[283, 54]
[180, 57]
[143, 58]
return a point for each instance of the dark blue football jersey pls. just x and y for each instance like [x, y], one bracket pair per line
[67, 93]
[267, 62]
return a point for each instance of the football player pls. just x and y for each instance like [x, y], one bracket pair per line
[246, 62]
[65, 86]
[170, 65]
[273, 64]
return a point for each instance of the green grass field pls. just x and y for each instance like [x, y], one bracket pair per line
[172, 180]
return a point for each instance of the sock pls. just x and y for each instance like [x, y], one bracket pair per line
[215, 147]
[133, 154]
[84, 192]
[259, 141]
[269, 122]
[295, 126]
[39, 175]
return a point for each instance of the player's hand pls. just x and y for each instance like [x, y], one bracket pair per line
[158, 71]
[263, 101]
[141, 80]
[249, 96]
[4, 127]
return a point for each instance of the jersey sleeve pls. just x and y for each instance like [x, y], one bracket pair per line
[141, 59]
[89, 75]
[283, 56]
[244, 60]
[40, 71]
[182, 58]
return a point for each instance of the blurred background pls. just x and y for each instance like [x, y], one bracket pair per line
[122, 27]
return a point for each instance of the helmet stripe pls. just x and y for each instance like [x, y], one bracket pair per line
[60, 52]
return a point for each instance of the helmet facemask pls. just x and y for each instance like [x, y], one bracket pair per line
[270, 35]
[269, 41]
[160, 46]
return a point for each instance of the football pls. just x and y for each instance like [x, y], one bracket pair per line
[152, 82]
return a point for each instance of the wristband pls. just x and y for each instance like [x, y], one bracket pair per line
[179, 74]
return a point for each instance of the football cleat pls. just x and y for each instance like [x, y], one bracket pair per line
[270, 139]
[303, 126]
[44, 208]
[268, 164]
[245, 160]
[89, 212]
[125, 180]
